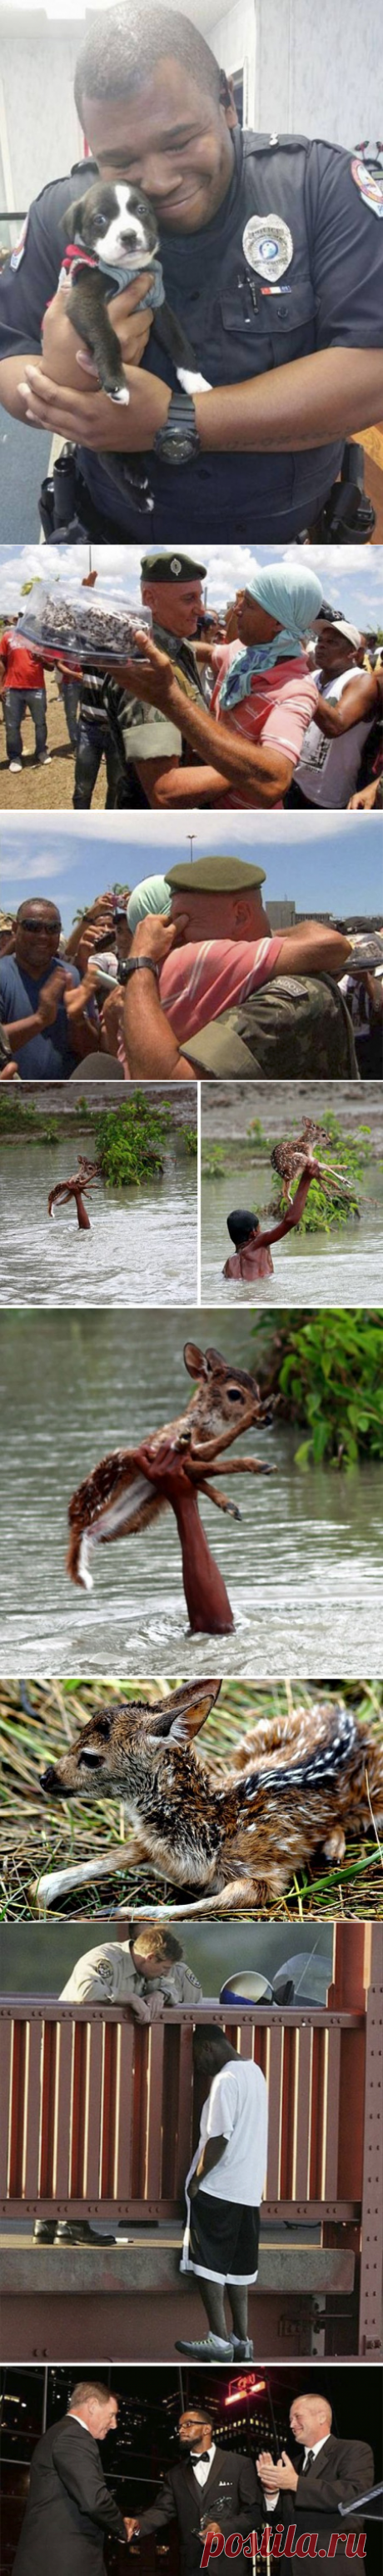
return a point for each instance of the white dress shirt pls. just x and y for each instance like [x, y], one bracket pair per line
[201, 2468]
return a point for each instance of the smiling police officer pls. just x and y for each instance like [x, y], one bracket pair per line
[272, 253]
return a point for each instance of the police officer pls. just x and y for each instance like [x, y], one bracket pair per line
[272, 256]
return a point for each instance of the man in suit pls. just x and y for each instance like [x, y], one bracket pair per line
[331, 2473]
[69, 2506]
[208, 2489]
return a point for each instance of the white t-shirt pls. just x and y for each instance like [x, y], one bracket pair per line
[236, 2109]
[328, 771]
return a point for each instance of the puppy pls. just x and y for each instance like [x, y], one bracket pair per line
[111, 236]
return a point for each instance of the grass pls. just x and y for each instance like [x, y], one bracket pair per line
[38, 1721]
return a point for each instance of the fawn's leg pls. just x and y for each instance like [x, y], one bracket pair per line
[222, 1501]
[241, 1467]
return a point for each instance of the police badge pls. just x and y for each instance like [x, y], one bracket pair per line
[268, 246]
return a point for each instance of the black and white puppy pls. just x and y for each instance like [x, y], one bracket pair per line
[111, 236]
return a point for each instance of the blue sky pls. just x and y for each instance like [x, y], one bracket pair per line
[352, 576]
[333, 863]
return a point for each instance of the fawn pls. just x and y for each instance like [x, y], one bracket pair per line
[295, 1786]
[130, 1488]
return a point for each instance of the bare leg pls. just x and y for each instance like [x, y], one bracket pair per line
[214, 2304]
[238, 2298]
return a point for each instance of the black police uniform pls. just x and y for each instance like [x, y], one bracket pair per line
[329, 295]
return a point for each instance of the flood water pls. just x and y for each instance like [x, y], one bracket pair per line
[303, 1567]
[141, 1249]
[344, 1268]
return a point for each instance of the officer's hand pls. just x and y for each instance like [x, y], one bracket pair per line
[156, 936]
[90, 418]
[50, 996]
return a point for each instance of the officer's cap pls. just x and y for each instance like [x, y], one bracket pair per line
[216, 876]
[171, 567]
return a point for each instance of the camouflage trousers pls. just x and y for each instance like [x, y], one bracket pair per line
[297, 1027]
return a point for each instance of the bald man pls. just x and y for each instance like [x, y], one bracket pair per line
[221, 898]
[332, 2472]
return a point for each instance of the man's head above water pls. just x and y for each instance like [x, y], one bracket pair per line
[217, 898]
[157, 110]
[240, 1225]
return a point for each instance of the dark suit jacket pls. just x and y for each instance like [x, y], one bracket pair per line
[341, 2471]
[231, 2495]
[69, 2506]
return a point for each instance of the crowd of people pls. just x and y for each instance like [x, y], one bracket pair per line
[186, 977]
[279, 701]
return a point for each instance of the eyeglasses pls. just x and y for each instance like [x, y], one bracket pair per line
[40, 929]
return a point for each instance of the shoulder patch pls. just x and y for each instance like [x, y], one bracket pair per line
[370, 186]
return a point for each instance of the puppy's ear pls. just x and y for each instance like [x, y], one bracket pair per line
[72, 219]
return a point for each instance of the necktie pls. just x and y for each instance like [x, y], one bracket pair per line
[307, 2464]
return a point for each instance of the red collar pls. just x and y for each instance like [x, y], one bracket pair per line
[74, 252]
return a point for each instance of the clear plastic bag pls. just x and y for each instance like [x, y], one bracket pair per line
[81, 627]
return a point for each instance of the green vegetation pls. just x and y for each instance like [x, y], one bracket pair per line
[17, 1120]
[37, 1719]
[130, 1142]
[327, 1370]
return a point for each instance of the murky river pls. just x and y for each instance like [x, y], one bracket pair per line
[141, 1249]
[344, 1268]
[303, 1567]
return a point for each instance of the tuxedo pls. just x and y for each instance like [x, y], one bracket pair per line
[231, 2495]
[341, 2471]
[69, 2506]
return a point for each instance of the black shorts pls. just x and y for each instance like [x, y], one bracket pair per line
[223, 2239]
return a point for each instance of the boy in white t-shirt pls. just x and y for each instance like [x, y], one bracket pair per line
[223, 2192]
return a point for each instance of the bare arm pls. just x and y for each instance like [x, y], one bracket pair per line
[264, 771]
[302, 405]
[293, 1214]
[169, 784]
[312, 949]
[358, 701]
[151, 1047]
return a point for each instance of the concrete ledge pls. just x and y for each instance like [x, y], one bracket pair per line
[152, 2268]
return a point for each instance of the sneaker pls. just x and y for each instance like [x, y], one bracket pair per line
[210, 2347]
[15, 764]
[77, 2231]
[243, 2350]
[44, 2231]
[42, 759]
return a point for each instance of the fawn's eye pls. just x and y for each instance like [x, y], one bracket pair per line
[92, 1760]
[234, 1395]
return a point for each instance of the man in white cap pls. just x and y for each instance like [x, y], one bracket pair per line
[350, 699]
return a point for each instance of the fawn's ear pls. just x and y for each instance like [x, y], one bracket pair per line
[195, 1360]
[184, 1713]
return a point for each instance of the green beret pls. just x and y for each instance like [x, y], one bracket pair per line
[171, 567]
[216, 876]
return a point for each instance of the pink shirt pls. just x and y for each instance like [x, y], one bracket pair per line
[278, 710]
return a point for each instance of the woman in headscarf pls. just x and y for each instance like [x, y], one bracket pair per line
[250, 738]
[266, 690]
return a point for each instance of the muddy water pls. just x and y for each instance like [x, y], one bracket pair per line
[303, 1567]
[141, 1249]
[344, 1268]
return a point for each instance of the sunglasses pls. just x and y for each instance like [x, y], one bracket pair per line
[41, 929]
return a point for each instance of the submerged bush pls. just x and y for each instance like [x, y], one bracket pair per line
[328, 1369]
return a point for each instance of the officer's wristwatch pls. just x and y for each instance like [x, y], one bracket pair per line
[178, 442]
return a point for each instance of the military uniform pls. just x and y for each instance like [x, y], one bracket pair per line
[292, 263]
[147, 733]
[296, 1025]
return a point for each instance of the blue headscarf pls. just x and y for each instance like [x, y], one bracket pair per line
[153, 895]
[290, 593]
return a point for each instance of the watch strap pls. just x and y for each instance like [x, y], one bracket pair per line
[132, 967]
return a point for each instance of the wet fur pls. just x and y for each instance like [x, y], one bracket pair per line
[198, 1435]
[295, 1788]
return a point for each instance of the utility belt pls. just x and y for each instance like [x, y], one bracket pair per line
[68, 514]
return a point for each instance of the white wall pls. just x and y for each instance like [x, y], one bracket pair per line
[233, 39]
[318, 68]
[37, 70]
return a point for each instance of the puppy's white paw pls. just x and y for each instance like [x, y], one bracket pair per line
[121, 396]
[191, 382]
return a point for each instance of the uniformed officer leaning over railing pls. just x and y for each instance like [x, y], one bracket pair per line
[272, 254]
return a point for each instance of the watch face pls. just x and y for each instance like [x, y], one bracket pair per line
[179, 448]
